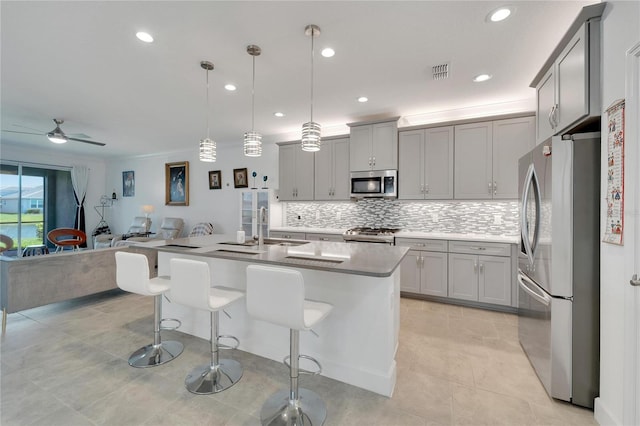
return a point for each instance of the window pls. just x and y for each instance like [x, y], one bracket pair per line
[33, 201]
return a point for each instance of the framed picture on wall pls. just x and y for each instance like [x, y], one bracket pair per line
[240, 178]
[215, 179]
[176, 183]
[128, 183]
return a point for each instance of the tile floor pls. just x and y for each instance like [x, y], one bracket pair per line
[65, 364]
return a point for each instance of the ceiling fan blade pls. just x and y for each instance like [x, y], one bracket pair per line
[25, 133]
[86, 141]
[40, 132]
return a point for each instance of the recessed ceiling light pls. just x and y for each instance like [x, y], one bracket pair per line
[230, 87]
[328, 52]
[146, 37]
[499, 14]
[481, 77]
[279, 114]
[363, 99]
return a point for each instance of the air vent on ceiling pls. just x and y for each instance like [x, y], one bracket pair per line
[440, 72]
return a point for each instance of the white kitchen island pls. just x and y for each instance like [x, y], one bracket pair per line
[357, 342]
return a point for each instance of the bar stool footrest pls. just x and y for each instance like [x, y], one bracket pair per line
[286, 362]
[225, 347]
[170, 320]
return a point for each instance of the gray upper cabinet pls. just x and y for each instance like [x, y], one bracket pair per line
[486, 157]
[373, 146]
[425, 164]
[332, 170]
[512, 139]
[473, 161]
[568, 85]
[296, 173]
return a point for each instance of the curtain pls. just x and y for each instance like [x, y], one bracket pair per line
[80, 180]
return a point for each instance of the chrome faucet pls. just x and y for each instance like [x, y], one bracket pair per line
[262, 212]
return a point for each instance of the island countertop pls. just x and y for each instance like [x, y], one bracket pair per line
[376, 260]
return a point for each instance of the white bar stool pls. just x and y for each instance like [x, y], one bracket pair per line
[276, 295]
[191, 286]
[132, 275]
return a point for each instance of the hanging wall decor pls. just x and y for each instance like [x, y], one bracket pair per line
[614, 225]
[177, 183]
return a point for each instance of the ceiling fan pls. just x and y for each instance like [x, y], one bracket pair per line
[57, 135]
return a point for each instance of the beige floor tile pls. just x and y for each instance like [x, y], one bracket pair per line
[480, 407]
[559, 413]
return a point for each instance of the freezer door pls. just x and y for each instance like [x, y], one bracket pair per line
[544, 330]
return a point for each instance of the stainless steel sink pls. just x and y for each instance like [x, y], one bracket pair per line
[269, 242]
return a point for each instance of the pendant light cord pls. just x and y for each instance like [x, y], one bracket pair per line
[207, 104]
[253, 90]
[312, 36]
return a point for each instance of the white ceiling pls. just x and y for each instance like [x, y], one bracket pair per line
[80, 61]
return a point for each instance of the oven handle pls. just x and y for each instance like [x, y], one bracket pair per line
[541, 297]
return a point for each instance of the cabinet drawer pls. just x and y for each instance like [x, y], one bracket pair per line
[291, 235]
[325, 237]
[420, 244]
[489, 249]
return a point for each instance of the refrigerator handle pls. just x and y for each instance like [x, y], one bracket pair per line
[524, 228]
[541, 297]
[536, 231]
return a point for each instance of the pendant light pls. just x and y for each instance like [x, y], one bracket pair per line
[252, 139]
[311, 130]
[207, 145]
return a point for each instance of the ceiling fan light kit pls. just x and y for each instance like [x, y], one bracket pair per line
[253, 140]
[310, 140]
[207, 145]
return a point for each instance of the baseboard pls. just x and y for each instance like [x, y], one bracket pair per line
[602, 415]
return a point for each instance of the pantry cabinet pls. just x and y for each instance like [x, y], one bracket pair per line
[332, 170]
[373, 146]
[425, 164]
[296, 173]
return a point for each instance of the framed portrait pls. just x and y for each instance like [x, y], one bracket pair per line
[128, 183]
[215, 179]
[176, 183]
[240, 178]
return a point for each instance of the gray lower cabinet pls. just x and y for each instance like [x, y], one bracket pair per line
[486, 277]
[424, 271]
[288, 235]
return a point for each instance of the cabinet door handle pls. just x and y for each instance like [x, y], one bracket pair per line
[634, 280]
[417, 261]
[426, 188]
[495, 187]
[369, 161]
[422, 189]
[551, 115]
[482, 268]
[475, 266]
[421, 261]
[555, 115]
[490, 187]
[419, 244]
[374, 161]
[323, 239]
[478, 248]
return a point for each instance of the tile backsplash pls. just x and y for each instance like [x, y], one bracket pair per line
[473, 217]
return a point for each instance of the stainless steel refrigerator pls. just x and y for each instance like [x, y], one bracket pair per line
[559, 265]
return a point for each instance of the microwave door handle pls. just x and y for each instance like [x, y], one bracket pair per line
[524, 227]
[539, 296]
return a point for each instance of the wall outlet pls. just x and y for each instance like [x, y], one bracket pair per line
[338, 215]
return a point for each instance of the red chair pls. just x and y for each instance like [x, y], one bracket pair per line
[67, 237]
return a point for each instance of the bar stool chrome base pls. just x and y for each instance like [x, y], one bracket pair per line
[208, 379]
[307, 410]
[153, 355]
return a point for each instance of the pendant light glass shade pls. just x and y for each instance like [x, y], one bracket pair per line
[311, 136]
[207, 145]
[252, 144]
[207, 150]
[310, 140]
[253, 139]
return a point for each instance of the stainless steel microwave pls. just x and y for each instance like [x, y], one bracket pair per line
[375, 183]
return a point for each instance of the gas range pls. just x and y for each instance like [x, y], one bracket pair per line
[365, 234]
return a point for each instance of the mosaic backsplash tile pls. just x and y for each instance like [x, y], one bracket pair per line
[473, 217]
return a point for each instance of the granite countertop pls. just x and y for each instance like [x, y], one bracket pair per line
[510, 239]
[375, 260]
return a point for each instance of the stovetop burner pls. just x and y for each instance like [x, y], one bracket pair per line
[366, 230]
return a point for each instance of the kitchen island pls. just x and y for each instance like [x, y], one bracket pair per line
[356, 343]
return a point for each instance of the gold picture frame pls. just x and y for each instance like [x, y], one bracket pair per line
[240, 179]
[215, 179]
[176, 183]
